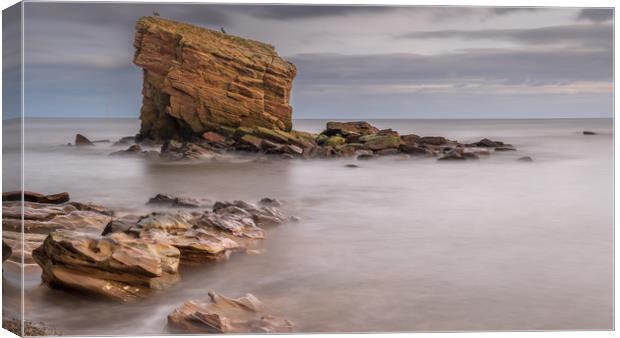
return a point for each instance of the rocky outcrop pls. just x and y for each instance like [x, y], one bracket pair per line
[220, 314]
[44, 217]
[198, 80]
[168, 200]
[81, 140]
[30, 196]
[116, 266]
[85, 247]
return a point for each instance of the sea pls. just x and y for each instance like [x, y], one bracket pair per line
[396, 244]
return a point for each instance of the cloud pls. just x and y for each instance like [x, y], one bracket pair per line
[596, 14]
[511, 10]
[598, 35]
[472, 67]
[287, 12]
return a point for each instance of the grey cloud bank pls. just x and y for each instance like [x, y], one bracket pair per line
[353, 61]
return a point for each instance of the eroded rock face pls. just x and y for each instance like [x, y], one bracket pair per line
[220, 314]
[116, 266]
[198, 80]
[42, 218]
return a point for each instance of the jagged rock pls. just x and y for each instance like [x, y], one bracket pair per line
[458, 154]
[410, 139]
[127, 140]
[30, 196]
[380, 142]
[81, 140]
[44, 218]
[270, 202]
[485, 142]
[220, 314]
[115, 266]
[196, 240]
[263, 216]
[216, 139]
[180, 202]
[196, 80]
[122, 224]
[346, 128]
[41, 218]
[585, 132]
[414, 149]
[177, 151]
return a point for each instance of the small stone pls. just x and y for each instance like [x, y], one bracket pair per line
[525, 159]
[586, 132]
[351, 166]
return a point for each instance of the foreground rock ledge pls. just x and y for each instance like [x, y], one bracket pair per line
[196, 78]
[220, 314]
[125, 258]
[116, 266]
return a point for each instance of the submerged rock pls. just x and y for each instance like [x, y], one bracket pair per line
[220, 314]
[179, 202]
[134, 149]
[525, 159]
[124, 141]
[116, 266]
[585, 132]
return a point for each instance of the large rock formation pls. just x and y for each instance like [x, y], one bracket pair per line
[196, 80]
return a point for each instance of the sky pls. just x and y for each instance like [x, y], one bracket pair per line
[355, 62]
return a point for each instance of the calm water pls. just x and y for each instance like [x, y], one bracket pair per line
[396, 245]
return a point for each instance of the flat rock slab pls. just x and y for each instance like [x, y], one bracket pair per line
[220, 314]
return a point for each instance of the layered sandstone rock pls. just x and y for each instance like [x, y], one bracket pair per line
[197, 80]
[220, 314]
[116, 266]
[51, 213]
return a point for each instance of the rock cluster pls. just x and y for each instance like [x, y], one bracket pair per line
[196, 79]
[339, 139]
[85, 247]
[220, 314]
[50, 213]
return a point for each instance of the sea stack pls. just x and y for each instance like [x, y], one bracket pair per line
[198, 80]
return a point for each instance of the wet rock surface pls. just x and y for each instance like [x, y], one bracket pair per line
[116, 266]
[41, 219]
[85, 247]
[220, 314]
